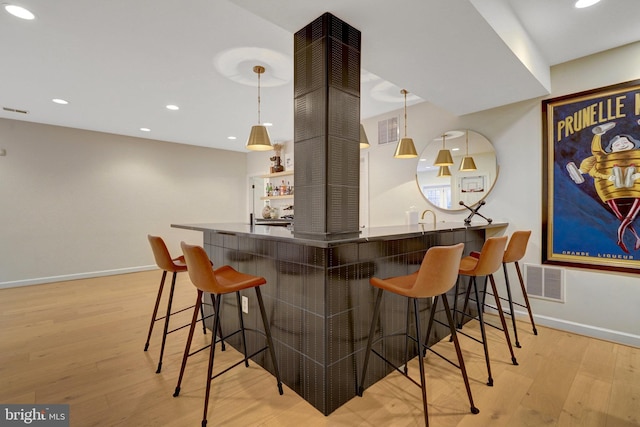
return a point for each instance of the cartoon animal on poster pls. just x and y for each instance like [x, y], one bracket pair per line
[615, 169]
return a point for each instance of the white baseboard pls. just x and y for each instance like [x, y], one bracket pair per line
[589, 330]
[88, 275]
[579, 328]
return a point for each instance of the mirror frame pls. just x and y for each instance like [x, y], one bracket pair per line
[458, 139]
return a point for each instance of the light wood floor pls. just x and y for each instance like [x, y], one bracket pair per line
[81, 343]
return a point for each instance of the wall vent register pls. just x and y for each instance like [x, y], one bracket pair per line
[545, 282]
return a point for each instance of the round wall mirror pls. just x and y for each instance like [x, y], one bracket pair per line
[469, 178]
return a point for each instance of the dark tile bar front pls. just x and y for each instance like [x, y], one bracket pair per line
[319, 301]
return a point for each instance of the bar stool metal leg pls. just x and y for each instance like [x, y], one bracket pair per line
[187, 348]
[204, 327]
[423, 380]
[482, 332]
[510, 300]
[267, 332]
[456, 343]
[372, 330]
[406, 340]
[526, 298]
[244, 337]
[166, 321]
[454, 337]
[502, 319]
[155, 309]
[213, 304]
[216, 322]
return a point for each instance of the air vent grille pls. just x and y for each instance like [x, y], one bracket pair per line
[15, 110]
[388, 130]
[545, 282]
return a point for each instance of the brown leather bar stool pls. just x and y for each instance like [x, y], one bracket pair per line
[437, 274]
[484, 263]
[516, 249]
[174, 265]
[219, 282]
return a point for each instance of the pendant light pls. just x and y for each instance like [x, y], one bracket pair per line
[364, 141]
[443, 172]
[444, 156]
[405, 148]
[259, 137]
[467, 163]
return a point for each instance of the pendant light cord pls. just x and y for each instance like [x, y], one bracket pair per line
[259, 98]
[405, 111]
[258, 69]
[467, 141]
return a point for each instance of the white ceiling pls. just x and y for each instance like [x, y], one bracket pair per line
[119, 62]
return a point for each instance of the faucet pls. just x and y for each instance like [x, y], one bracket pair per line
[432, 213]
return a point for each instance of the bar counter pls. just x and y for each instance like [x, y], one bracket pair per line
[319, 301]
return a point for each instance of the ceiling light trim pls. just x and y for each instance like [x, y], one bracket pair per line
[234, 63]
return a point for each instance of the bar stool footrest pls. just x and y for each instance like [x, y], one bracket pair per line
[396, 368]
[238, 363]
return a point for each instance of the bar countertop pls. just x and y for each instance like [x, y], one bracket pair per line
[366, 234]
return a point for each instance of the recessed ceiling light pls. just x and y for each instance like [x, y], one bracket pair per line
[145, 129]
[231, 137]
[455, 149]
[268, 124]
[19, 12]
[60, 101]
[172, 107]
[585, 3]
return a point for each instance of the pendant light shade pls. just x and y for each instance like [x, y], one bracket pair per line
[405, 148]
[444, 156]
[364, 141]
[444, 172]
[467, 163]
[259, 137]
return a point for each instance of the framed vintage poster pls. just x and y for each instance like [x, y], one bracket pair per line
[591, 179]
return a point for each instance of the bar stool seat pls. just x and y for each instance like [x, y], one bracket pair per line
[437, 275]
[167, 264]
[484, 263]
[219, 282]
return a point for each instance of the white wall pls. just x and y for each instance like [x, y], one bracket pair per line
[601, 304]
[77, 203]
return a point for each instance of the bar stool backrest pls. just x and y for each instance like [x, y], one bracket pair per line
[200, 269]
[162, 256]
[490, 256]
[517, 246]
[438, 271]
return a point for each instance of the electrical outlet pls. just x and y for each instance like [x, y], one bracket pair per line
[245, 305]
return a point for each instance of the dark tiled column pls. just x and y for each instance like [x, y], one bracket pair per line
[327, 129]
